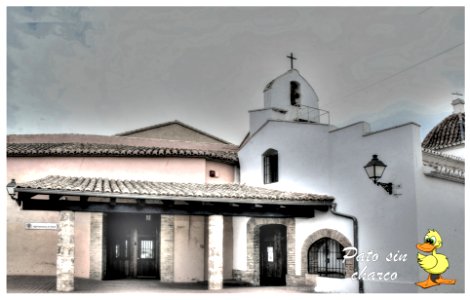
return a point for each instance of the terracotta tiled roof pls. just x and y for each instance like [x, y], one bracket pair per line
[92, 149]
[450, 132]
[163, 190]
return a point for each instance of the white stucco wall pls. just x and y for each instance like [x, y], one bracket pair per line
[301, 151]
[441, 207]
[336, 285]
[259, 117]
[322, 220]
[387, 224]
[314, 159]
[240, 243]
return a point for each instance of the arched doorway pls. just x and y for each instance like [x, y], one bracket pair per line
[273, 254]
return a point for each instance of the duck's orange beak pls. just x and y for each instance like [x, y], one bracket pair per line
[425, 247]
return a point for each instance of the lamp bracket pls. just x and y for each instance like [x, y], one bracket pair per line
[388, 187]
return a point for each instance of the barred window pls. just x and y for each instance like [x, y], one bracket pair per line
[325, 258]
[271, 166]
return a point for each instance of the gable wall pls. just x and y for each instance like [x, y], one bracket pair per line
[174, 132]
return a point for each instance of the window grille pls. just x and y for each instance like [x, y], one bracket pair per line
[146, 249]
[325, 258]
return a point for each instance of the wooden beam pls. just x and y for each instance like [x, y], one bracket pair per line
[140, 203]
[83, 201]
[54, 197]
[23, 197]
[112, 202]
[317, 203]
[225, 209]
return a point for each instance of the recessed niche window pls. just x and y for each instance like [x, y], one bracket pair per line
[325, 258]
[271, 166]
[295, 93]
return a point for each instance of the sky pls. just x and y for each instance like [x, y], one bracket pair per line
[106, 70]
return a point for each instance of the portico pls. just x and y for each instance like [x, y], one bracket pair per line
[69, 195]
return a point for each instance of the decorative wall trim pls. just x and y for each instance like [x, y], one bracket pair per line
[447, 167]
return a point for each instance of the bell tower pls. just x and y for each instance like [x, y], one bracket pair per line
[288, 97]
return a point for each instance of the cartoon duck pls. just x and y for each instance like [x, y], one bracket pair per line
[435, 264]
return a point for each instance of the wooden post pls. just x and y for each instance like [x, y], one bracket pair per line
[215, 253]
[66, 252]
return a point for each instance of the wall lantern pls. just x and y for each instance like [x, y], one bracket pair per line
[374, 169]
[11, 189]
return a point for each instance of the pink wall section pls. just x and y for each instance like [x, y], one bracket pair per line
[135, 168]
[33, 252]
[224, 172]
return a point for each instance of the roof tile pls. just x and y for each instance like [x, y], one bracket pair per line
[450, 132]
[191, 190]
[87, 149]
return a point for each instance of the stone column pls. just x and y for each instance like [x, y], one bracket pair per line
[215, 253]
[66, 252]
[167, 241]
[97, 246]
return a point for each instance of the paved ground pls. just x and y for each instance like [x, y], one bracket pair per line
[46, 284]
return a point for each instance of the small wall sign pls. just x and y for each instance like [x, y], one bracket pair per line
[41, 226]
[270, 254]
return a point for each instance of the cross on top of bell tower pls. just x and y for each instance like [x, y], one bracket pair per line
[292, 58]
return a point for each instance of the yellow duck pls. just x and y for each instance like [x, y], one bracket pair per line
[435, 264]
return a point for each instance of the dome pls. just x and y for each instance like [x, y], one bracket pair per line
[450, 132]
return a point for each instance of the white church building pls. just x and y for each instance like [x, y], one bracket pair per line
[312, 156]
[300, 210]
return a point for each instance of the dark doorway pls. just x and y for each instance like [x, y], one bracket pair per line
[133, 246]
[273, 255]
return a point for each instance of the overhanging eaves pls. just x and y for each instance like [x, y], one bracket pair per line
[56, 193]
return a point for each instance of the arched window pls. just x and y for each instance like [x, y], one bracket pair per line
[294, 93]
[270, 166]
[325, 258]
